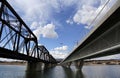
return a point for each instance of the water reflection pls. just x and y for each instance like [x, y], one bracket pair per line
[79, 74]
[31, 74]
[67, 72]
[104, 71]
[55, 72]
[40, 74]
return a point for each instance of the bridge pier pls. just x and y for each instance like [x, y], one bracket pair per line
[38, 66]
[79, 64]
[67, 64]
[35, 66]
[46, 66]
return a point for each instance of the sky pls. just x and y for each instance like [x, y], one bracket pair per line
[60, 25]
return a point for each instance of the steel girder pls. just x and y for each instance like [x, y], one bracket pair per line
[16, 36]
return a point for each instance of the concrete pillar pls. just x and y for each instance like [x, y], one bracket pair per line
[66, 64]
[38, 66]
[34, 66]
[46, 66]
[69, 64]
[79, 64]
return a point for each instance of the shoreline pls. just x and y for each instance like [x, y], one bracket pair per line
[13, 63]
[90, 62]
[102, 62]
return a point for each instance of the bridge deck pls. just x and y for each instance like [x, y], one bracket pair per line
[5, 53]
[93, 41]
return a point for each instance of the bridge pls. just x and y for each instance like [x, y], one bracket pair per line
[17, 41]
[103, 40]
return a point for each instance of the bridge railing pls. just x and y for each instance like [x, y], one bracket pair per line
[15, 34]
[99, 17]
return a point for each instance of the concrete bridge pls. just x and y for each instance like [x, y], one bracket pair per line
[103, 40]
[17, 41]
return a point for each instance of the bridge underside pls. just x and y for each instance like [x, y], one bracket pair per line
[5, 53]
[104, 41]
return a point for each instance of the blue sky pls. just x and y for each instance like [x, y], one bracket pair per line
[60, 25]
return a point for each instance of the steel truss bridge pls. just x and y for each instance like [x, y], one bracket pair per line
[17, 41]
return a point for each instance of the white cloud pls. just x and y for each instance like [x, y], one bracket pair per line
[69, 2]
[40, 10]
[84, 15]
[34, 25]
[39, 13]
[60, 52]
[88, 10]
[88, 27]
[43, 10]
[47, 31]
[69, 21]
[63, 48]
[38, 32]
[87, 14]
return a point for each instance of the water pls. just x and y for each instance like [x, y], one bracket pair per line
[98, 71]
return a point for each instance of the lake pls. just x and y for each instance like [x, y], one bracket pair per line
[93, 71]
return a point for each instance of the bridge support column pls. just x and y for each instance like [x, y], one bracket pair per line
[46, 66]
[79, 64]
[69, 64]
[34, 66]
